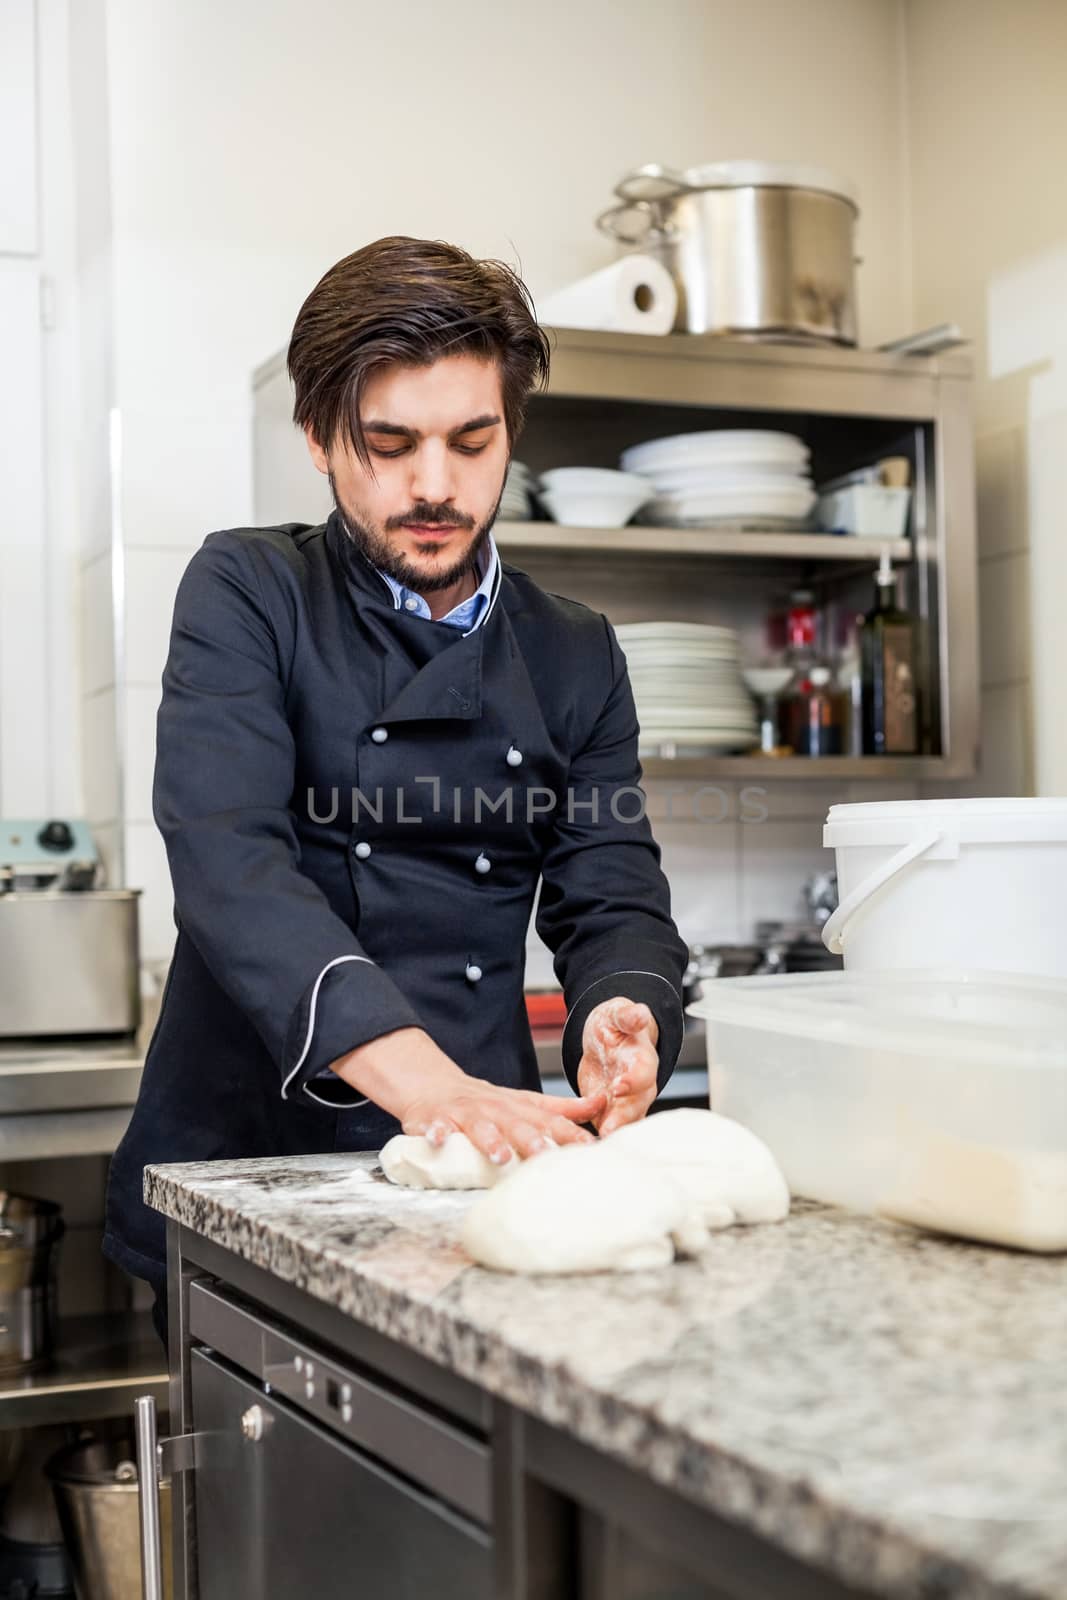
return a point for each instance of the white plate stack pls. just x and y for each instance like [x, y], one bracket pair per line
[752, 478]
[687, 686]
[515, 504]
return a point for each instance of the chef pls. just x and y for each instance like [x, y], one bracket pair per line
[376, 739]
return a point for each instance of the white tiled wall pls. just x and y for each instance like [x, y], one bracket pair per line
[1005, 590]
[152, 578]
[146, 869]
[182, 477]
[139, 748]
[100, 774]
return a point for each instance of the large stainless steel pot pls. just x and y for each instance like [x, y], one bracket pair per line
[97, 1497]
[69, 963]
[757, 249]
[30, 1230]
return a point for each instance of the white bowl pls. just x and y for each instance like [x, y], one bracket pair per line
[595, 480]
[586, 509]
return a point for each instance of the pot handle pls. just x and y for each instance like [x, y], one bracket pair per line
[833, 932]
[148, 1497]
[628, 224]
[653, 182]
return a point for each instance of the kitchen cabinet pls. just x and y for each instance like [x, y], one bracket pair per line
[852, 407]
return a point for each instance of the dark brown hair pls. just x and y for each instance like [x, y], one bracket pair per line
[409, 301]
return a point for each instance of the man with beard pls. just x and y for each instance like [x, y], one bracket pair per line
[375, 741]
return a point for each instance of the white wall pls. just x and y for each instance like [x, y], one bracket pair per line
[987, 122]
[253, 144]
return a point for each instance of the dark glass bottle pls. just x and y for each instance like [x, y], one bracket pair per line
[889, 672]
[815, 730]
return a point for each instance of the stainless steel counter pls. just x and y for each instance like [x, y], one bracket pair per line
[42, 1084]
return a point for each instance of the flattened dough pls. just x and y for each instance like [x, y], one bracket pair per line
[583, 1208]
[727, 1172]
[413, 1162]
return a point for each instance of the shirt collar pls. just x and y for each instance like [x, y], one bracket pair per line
[468, 614]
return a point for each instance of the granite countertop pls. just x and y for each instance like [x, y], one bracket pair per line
[887, 1406]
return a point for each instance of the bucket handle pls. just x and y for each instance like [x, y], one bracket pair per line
[833, 933]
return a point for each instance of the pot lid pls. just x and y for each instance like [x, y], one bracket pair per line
[773, 175]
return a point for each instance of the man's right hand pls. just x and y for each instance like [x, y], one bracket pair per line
[408, 1075]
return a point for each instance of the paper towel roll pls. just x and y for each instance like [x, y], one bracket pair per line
[636, 294]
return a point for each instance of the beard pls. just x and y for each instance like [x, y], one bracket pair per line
[378, 550]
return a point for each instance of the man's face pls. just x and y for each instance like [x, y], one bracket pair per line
[425, 512]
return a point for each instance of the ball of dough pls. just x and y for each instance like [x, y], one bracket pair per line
[728, 1173]
[582, 1208]
[413, 1162]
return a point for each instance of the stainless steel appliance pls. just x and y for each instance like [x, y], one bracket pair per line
[290, 1438]
[757, 249]
[68, 950]
[30, 1231]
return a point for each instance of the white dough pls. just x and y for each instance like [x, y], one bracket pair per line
[583, 1208]
[727, 1172]
[413, 1162]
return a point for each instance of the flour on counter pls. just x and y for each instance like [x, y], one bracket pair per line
[1002, 1196]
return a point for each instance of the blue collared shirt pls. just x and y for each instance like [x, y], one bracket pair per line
[470, 613]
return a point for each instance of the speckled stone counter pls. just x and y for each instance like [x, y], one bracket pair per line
[886, 1406]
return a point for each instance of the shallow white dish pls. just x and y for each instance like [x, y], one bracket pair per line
[735, 444]
[752, 501]
[708, 479]
[672, 629]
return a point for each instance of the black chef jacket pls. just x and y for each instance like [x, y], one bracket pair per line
[357, 806]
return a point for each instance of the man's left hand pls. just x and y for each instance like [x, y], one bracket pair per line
[619, 1056]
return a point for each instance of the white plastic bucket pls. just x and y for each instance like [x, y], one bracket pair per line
[950, 883]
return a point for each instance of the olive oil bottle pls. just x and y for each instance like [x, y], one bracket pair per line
[889, 672]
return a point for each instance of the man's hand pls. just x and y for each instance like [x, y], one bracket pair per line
[619, 1059]
[407, 1074]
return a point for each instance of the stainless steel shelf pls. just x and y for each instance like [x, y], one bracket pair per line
[101, 1364]
[704, 370]
[785, 544]
[797, 769]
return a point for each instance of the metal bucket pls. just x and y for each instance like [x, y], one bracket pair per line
[97, 1497]
[757, 250]
[30, 1230]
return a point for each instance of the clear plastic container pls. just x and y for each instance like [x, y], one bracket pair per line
[937, 1098]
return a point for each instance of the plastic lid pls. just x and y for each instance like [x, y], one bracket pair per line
[1012, 819]
[1002, 1019]
[772, 175]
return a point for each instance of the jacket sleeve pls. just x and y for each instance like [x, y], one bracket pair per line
[604, 908]
[225, 762]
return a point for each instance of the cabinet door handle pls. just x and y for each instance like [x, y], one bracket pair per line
[148, 1485]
